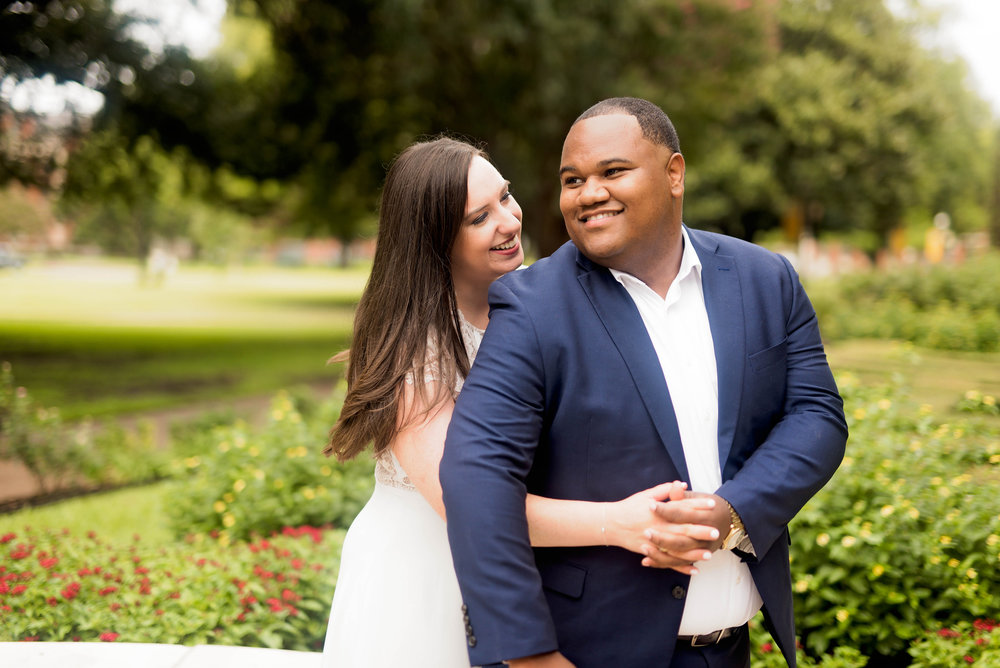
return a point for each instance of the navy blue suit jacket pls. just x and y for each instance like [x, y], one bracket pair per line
[567, 399]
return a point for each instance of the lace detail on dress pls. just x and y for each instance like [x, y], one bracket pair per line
[388, 470]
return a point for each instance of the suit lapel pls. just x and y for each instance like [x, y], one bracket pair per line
[724, 303]
[624, 325]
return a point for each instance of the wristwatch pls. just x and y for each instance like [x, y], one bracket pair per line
[737, 537]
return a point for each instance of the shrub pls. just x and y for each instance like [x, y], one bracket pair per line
[58, 456]
[906, 535]
[274, 592]
[246, 482]
[976, 644]
[944, 307]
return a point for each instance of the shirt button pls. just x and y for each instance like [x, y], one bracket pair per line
[678, 592]
[472, 641]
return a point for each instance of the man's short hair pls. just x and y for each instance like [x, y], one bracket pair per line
[654, 123]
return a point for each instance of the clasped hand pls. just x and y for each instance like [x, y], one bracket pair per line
[670, 526]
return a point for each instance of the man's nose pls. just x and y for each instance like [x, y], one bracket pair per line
[593, 191]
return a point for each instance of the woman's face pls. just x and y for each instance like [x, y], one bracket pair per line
[489, 241]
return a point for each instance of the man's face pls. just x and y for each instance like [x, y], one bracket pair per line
[621, 194]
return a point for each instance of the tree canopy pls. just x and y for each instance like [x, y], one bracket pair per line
[831, 114]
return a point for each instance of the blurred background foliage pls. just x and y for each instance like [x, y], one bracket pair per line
[795, 115]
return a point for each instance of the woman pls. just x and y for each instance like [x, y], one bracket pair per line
[448, 227]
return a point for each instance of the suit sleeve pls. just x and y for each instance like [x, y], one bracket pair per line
[806, 445]
[488, 453]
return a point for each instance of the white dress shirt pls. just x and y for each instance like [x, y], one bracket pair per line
[723, 593]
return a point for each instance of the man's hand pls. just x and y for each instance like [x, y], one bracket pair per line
[550, 660]
[701, 521]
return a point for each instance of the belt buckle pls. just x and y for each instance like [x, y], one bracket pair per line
[715, 636]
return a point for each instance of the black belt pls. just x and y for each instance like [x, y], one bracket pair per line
[712, 638]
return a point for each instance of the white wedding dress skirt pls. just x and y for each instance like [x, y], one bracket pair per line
[397, 601]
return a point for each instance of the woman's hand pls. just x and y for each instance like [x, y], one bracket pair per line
[634, 522]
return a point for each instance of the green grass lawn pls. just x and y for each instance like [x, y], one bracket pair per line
[116, 516]
[87, 336]
[935, 377]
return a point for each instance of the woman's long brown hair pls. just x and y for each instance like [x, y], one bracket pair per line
[409, 296]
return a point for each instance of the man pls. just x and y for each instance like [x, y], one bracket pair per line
[639, 353]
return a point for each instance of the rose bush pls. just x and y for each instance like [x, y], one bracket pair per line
[270, 592]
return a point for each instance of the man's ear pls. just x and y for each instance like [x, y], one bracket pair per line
[675, 174]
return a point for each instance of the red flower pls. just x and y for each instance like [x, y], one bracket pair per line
[18, 589]
[290, 595]
[767, 648]
[85, 571]
[141, 570]
[48, 563]
[108, 590]
[52, 600]
[984, 624]
[109, 636]
[71, 591]
[115, 607]
[22, 551]
[7, 537]
[29, 639]
[4, 587]
[297, 564]
[948, 633]
[969, 659]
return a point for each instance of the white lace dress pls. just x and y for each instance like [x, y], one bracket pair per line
[397, 601]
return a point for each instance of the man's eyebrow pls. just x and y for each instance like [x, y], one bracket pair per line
[602, 163]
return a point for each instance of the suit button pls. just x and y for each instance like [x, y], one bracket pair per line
[678, 592]
[465, 608]
[472, 641]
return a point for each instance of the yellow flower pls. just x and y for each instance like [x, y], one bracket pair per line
[224, 446]
[321, 490]
[971, 573]
[913, 513]
[219, 507]
[823, 539]
[223, 539]
[325, 470]
[192, 462]
[926, 409]
[972, 395]
[239, 485]
[878, 570]
[253, 451]
[936, 480]
[847, 461]
[953, 563]
[848, 541]
[277, 415]
[279, 483]
[228, 520]
[945, 540]
[842, 615]
[259, 474]
[992, 539]
[887, 510]
[860, 413]
[944, 492]
[935, 560]
[240, 442]
[994, 459]
[990, 400]
[802, 586]
[884, 404]
[308, 493]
